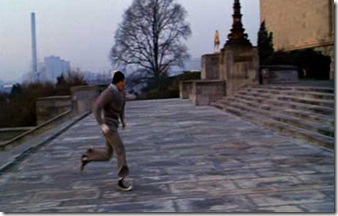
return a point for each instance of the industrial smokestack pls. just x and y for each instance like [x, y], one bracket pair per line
[34, 53]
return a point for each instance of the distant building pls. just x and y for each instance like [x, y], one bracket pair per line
[301, 24]
[52, 68]
[49, 70]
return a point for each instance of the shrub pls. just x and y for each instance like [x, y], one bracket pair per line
[65, 83]
[18, 109]
[169, 87]
[264, 43]
[311, 64]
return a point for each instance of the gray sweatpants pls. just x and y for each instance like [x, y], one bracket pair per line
[113, 144]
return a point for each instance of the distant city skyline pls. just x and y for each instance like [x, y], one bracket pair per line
[49, 70]
[83, 31]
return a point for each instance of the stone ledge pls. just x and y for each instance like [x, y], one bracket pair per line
[205, 92]
[5, 146]
[50, 107]
[83, 98]
[280, 67]
[16, 129]
[54, 97]
[9, 133]
[275, 74]
[212, 54]
[19, 156]
[207, 81]
[84, 88]
[185, 89]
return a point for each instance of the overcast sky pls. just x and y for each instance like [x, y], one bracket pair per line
[82, 31]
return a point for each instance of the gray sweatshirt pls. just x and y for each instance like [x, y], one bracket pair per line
[112, 103]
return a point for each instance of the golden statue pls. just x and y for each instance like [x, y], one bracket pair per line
[216, 41]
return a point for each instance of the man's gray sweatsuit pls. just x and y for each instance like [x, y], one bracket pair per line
[108, 109]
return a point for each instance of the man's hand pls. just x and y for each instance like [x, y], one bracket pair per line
[123, 124]
[105, 128]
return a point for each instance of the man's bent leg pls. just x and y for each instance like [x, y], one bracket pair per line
[100, 155]
[115, 141]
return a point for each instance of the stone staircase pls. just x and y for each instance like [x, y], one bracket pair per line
[302, 112]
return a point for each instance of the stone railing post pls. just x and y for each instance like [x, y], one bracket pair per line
[83, 98]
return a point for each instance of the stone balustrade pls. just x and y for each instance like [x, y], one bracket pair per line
[50, 107]
[279, 74]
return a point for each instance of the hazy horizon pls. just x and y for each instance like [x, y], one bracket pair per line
[82, 32]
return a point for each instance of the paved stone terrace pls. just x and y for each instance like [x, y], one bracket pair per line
[182, 159]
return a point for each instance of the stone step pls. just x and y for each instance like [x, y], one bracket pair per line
[322, 119]
[288, 104]
[316, 102]
[303, 100]
[303, 94]
[296, 88]
[218, 104]
[283, 128]
[297, 122]
[306, 115]
[299, 113]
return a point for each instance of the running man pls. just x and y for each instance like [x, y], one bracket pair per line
[108, 109]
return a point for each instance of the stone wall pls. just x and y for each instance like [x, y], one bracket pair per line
[278, 74]
[205, 92]
[301, 24]
[185, 89]
[239, 68]
[80, 101]
[50, 107]
[210, 66]
[10, 133]
[35, 131]
[83, 98]
[234, 68]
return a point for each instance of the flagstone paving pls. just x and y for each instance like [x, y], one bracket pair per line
[182, 159]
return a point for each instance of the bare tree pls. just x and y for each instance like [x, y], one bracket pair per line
[150, 38]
